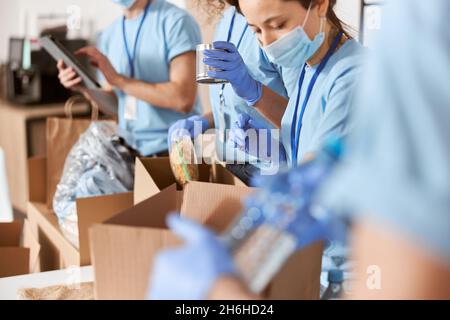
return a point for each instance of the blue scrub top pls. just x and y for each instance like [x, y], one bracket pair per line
[168, 32]
[397, 171]
[331, 102]
[260, 69]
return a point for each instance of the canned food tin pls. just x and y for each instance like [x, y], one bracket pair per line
[203, 69]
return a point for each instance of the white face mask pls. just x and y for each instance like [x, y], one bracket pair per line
[295, 48]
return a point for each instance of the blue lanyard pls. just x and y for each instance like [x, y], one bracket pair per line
[132, 57]
[297, 129]
[230, 33]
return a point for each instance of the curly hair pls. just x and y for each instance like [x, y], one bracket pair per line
[331, 14]
[213, 8]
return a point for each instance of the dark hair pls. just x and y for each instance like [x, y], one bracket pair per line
[331, 14]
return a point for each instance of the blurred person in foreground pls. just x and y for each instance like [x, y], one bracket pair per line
[394, 179]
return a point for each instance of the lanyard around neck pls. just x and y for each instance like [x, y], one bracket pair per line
[132, 56]
[296, 129]
[230, 34]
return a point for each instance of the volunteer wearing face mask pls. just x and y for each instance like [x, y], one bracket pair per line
[394, 180]
[305, 34]
[233, 32]
[147, 60]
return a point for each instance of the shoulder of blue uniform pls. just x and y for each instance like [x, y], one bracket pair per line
[349, 59]
[173, 13]
[104, 36]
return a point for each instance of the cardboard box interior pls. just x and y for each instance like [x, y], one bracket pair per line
[155, 174]
[19, 250]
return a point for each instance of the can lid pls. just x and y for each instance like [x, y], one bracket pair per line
[205, 46]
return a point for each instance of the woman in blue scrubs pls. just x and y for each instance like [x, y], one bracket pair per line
[147, 61]
[308, 35]
[226, 104]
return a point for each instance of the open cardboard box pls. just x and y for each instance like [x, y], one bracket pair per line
[19, 250]
[56, 251]
[155, 174]
[152, 175]
[123, 248]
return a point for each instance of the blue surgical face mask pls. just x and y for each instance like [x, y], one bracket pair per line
[125, 3]
[295, 48]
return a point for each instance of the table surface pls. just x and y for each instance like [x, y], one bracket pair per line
[10, 286]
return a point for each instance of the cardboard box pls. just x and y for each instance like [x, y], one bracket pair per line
[123, 248]
[19, 251]
[152, 175]
[155, 174]
[56, 251]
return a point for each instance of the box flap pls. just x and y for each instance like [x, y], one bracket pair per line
[31, 242]
[127, 253]
[299, 278]
[48, 231]
[14, 261]
[223, 176]
[155, 174]
[96, 210]
[214, 205]
[151, 176]
[151, 212]
[10, 234]
[37, 179]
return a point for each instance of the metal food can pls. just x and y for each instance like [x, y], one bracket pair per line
[203, 69]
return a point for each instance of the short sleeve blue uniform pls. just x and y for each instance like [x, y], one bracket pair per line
[167, 32]
[330, 105]
[280, 81]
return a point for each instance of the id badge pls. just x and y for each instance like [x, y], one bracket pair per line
[130, 108]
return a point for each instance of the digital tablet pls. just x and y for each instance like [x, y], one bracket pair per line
[59, 52]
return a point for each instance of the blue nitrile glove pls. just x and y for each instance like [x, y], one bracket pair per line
[192, 126]
[259, 143]
[291, 196]
[189, 272]
[230, 66]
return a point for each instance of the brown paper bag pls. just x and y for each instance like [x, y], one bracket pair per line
[62, 134]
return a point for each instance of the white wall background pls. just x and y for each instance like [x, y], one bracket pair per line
[349, 11]
[17, 17]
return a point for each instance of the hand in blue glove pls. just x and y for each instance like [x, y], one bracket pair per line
[255, 139]
[288, 201]
[230, 66]
[188, 273]
[193, 127]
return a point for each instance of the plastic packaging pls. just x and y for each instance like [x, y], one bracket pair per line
[183, 161]
[98, 164]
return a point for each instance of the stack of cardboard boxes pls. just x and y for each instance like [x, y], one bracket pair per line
[121, 234]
